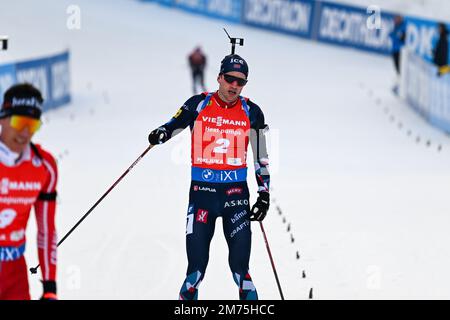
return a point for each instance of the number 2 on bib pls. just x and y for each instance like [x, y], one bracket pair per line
[223, 145]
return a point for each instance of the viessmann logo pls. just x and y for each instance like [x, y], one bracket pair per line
[219, 121]
[6, 185]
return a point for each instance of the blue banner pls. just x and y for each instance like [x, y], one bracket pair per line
[328, 22]
[50, 75]
[224, 9]
[350, 26]
[37, 73]
[7, 78]
[163, 2]
[287, 16]
[59, 79]
[229, 10]
[422, 36]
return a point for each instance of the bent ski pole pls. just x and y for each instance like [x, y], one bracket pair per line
[34, 270]
[271, 261]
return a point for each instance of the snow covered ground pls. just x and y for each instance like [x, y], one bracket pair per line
[353, 174]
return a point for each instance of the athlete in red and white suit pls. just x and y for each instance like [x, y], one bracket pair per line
[28, 178]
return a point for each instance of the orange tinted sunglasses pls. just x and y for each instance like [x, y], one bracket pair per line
[20, 122]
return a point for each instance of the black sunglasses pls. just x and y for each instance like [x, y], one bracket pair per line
[230, 79]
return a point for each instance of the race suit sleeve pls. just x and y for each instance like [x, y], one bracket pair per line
[185, 115]
[45, 209]
[259, 146]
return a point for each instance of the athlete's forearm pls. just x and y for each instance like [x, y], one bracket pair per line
[47, 240]
[261, 158]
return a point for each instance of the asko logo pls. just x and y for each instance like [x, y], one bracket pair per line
[202, 216]
[235, 203]
[7, 185]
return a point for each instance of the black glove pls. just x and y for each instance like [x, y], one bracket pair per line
[49, 290]
[260, 208]
[158, 136]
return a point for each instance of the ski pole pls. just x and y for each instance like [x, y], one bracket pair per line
[34, 270]
[271, 261]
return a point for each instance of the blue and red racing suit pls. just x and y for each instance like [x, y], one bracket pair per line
[220, 134]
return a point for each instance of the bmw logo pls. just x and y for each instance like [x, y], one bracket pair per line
[207, 175]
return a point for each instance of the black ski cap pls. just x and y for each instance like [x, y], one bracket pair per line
[234, 62]
[22, 99]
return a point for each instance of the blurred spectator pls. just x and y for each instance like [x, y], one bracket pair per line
[440, 52]
[197, 62]
[398, 40]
